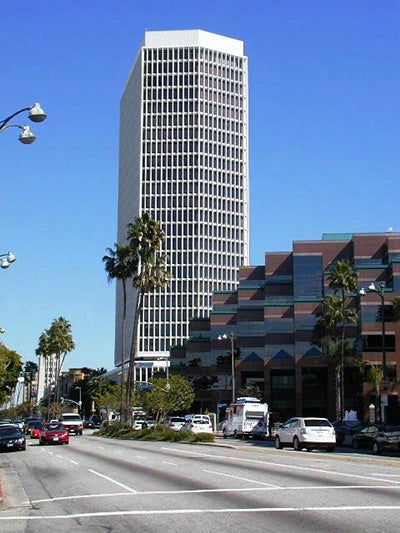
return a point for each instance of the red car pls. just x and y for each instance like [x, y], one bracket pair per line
[55, 433]
[35, 432]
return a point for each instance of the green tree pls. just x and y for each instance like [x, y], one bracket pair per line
[89, 386]
[333, 316]
[107, 396]
[145, 240]
[10, 369]
[121, 265]
[167, 396]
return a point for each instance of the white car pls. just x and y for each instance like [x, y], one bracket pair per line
[174, 422]
[198, 424]
[308, 433]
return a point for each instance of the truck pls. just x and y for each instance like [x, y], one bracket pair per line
[247, 417]
[73, 422]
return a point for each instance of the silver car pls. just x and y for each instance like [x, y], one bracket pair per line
[308, 433]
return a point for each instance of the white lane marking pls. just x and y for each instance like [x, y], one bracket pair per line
[367, 508]
[168, 463]
[140, 457]
[284, 466]
[242, 478]
[99, 447]
[113, 481]
[60, 456]
[211, 491]
[386, 475]
[73, 462]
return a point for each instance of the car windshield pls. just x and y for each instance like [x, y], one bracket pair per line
[176, 419]
[36, 424]
[200, 421]
[53, 427]
[312, 423]
[10, 430]
[71, 417]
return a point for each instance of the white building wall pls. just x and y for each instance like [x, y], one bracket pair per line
[184, 159]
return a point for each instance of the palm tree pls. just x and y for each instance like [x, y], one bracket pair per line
[145, 240]
[396, 309]
[60, 341]
[56, 341]
[375, 376]
[121, 265]
[343, 279]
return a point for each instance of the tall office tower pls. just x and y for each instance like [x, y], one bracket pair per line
[184, 159]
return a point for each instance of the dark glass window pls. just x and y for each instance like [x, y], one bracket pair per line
[307, 276]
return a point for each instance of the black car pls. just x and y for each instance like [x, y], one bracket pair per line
[12, 438]
[365, 437]
[92, 422]
[387, 440]
[345, 429]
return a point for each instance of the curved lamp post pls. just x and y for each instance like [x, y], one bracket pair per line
[7, 259]
[231, 336]
[380, 291]
[36, 114]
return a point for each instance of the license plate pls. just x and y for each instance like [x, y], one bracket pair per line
[55, 438]
[9, 445]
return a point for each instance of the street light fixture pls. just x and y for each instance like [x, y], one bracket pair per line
[36, 114]
[80, 397]
[380, 291]
[7, 259]
[232, 338]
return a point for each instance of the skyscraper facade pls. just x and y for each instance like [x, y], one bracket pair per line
[184, 159]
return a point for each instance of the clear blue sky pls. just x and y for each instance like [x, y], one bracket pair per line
[324, 139]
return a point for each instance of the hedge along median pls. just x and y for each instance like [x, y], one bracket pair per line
[158, 433]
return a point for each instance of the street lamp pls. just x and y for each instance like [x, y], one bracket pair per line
[36, 114]
[80, 397]
[7, 259]
[380, 291]
[232, 338]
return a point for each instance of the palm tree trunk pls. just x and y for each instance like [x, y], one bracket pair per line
[123, 407]
[342, 357]
[131, 372]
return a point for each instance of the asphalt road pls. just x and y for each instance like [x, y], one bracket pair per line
[104, 485]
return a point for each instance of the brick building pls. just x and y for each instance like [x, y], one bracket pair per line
[271, 319]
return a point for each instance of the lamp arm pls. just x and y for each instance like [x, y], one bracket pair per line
[6, 120]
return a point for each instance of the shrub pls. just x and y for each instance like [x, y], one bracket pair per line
[158, 433]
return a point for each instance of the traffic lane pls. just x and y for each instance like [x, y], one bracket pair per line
[199, 473]
[230, 491]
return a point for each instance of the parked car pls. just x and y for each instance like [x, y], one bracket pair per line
[387, 440]
[198, 424]
[365, 437]
[345, 429]
[11, 438]
[174, 422]
[308, 433]
[139, 423]
[55, 433]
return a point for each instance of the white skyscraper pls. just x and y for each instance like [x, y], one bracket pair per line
[184, 159]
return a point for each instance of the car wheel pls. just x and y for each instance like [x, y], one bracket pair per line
[278, 444]
[375, 448]
[355, 444]
[296, 445]
[330, 449]
[224, 435]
